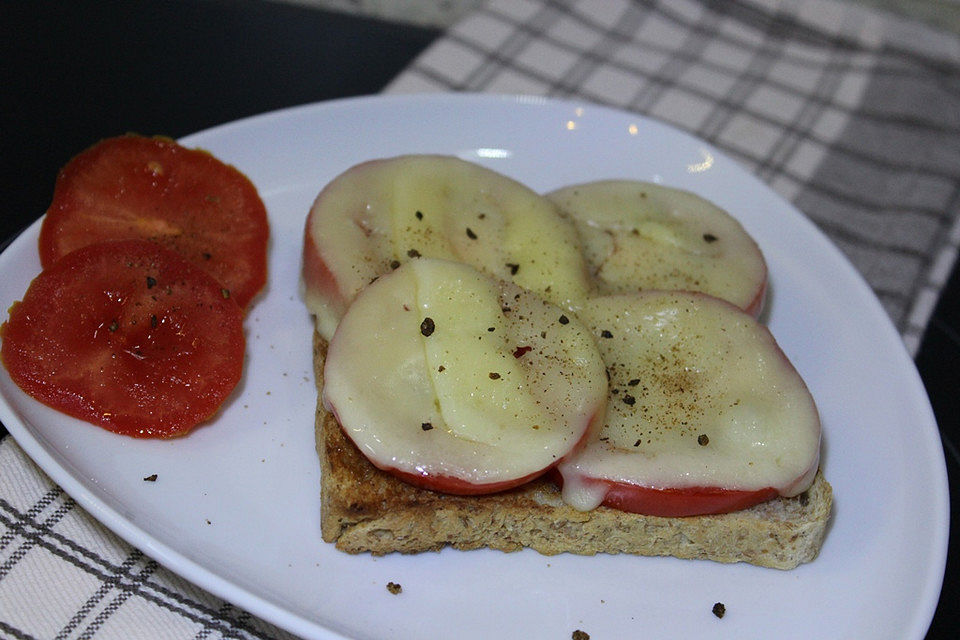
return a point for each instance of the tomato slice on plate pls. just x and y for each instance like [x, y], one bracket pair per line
[126, 335]
[154, 189]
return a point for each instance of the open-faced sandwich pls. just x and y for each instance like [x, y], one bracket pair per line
[578, 372]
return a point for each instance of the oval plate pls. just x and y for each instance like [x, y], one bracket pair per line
[235, 506]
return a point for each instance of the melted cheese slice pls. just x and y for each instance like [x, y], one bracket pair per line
[640, 236]
[701, 396]
[437, 369]
[382, 213]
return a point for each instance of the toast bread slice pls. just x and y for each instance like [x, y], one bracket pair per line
[364, 509]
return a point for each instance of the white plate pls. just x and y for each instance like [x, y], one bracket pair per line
[235, 504]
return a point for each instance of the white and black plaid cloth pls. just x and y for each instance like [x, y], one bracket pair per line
[852, 115]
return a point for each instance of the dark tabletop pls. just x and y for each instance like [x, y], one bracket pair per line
[75, 72]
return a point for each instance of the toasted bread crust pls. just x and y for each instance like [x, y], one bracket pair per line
[364, 509]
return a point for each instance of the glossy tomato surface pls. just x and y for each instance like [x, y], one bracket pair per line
[126, 335]
[154, 189]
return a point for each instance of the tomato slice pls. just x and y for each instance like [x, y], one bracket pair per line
[126, 335]
[154, 189]
[674, 502]
[689, 501]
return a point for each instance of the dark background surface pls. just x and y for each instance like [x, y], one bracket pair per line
[73, 73]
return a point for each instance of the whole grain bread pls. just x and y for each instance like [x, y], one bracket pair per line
[364, 509]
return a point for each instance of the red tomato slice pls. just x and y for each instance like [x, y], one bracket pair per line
[675, 503]
[126, 335]
[154, 189]
[691, 501]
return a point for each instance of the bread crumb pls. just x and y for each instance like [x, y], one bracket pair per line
[394, 588]
[719, 609]
[580, 635]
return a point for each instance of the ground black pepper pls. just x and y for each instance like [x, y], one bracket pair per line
[427, 327]
[709, 237]
[564, 319]
[719, 609]
[703, 440]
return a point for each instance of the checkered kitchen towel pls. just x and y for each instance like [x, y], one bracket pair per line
[851, 115]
